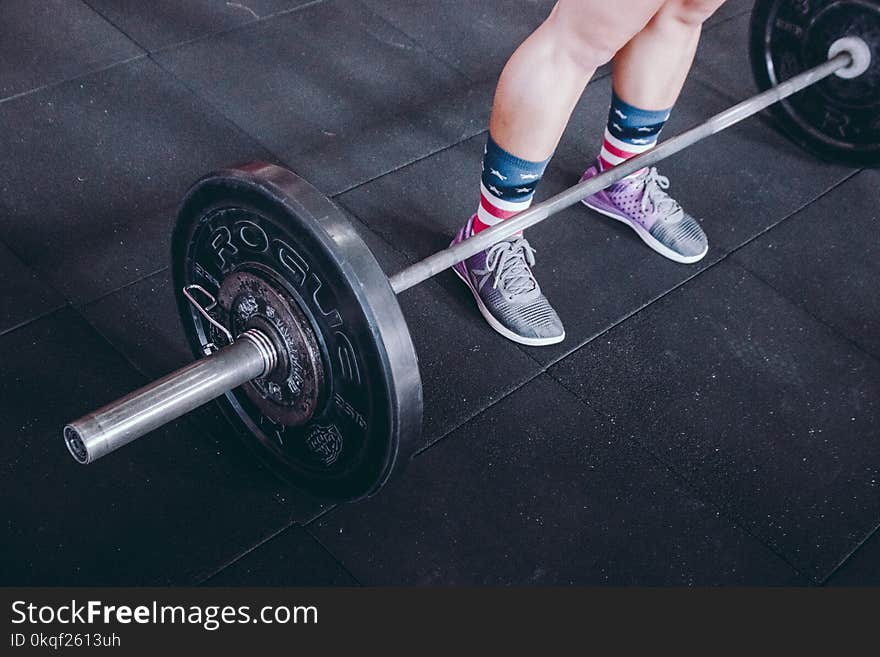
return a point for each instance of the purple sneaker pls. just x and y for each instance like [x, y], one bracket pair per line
[642, 203]
[506, 292]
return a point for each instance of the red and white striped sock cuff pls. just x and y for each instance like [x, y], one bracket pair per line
[614, 151]
[494, 210]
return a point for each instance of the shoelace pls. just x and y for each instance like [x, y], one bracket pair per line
[510, 262]
[655, 196]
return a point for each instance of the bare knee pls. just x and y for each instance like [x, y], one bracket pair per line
[689, 13]
[586, 41]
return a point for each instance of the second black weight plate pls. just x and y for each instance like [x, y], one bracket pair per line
[837, 119]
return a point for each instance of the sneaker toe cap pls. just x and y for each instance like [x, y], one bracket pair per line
[685, 237]
[535, 320]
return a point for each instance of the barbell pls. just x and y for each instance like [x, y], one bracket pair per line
[297, 331]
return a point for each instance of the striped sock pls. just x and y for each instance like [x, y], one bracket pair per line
[630, 131]
[507, 185]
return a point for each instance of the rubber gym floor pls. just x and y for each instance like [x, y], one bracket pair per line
[711, 424]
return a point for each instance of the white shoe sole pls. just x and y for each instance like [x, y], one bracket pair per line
[650, 240]
[500, 328]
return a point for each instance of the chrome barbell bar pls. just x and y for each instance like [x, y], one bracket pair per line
[120, 422]
[443, 260]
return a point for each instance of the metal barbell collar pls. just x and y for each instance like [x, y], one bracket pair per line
[115, 425]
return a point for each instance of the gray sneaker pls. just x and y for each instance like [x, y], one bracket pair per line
[642, 203]
[507, 294]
